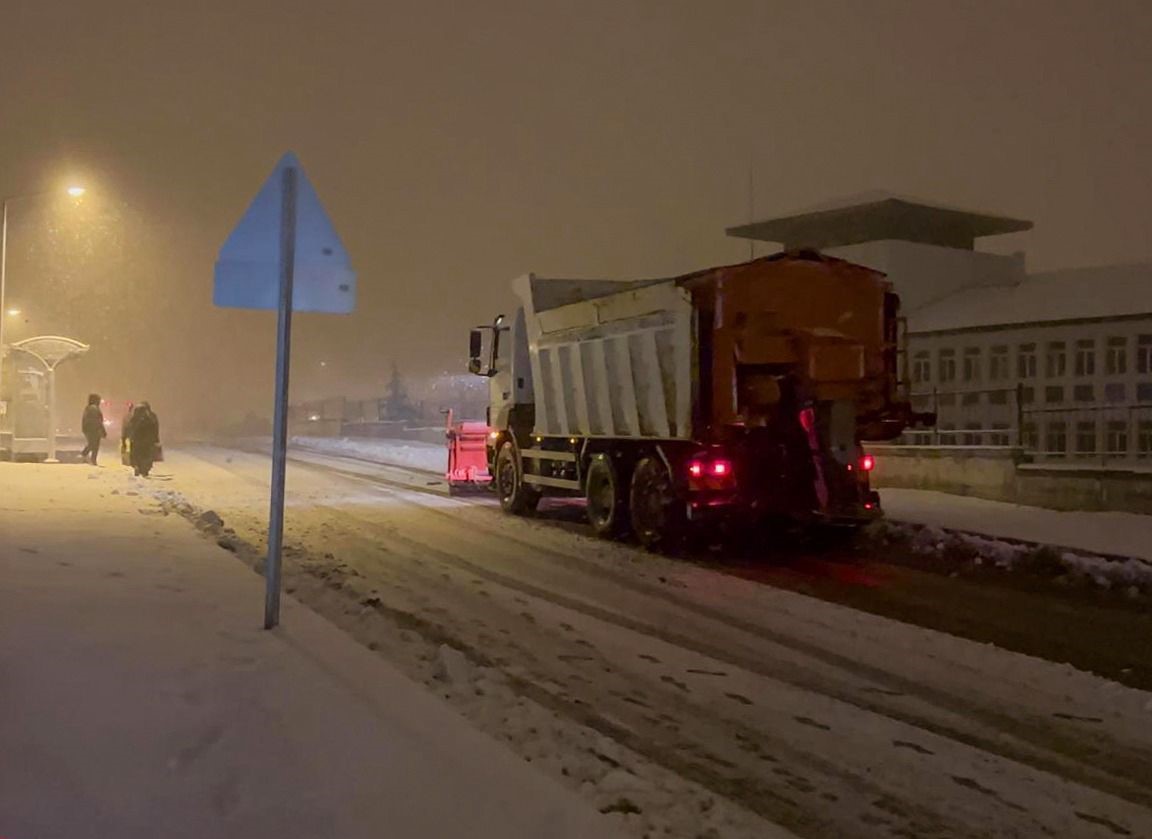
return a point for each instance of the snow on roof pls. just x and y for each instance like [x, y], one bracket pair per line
[1070, 294]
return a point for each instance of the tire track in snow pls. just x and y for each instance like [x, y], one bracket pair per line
[1089, 758]
[733, 758]
[424, 547]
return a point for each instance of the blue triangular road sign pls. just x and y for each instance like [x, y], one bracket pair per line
[248, 267]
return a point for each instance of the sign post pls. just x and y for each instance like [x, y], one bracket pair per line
[280, 414]
[284, 255]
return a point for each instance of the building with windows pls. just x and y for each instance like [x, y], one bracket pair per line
[1057, 362]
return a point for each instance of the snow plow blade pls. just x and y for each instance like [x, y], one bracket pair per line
[467, 455]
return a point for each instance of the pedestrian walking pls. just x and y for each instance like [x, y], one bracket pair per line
[92, 424]
[143, 439]
[125, 434]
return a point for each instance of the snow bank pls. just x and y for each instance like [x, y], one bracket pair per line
[1106, 572]
[1117, 534]
[411, 454]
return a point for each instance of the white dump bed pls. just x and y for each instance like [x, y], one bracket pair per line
[610, 359]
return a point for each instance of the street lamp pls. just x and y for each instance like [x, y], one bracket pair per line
[75, 191]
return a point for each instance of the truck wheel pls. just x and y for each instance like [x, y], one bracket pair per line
[516, 497]
[658, 518]
[607, 500]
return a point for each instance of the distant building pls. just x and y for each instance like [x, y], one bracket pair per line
[1058, 362]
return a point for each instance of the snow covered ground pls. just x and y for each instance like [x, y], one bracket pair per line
[141, 698]
[690, 702]
[1121, 534]
[413, 454]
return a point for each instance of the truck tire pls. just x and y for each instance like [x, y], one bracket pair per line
[658, 518]
[515, 496]
[607, 498]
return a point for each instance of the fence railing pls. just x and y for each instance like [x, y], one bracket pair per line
[1096, 434]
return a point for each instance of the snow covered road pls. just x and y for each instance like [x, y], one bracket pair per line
[686, 699]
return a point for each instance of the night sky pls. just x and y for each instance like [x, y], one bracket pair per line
[457, 145]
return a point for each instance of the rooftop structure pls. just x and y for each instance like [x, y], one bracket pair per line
[879, 216]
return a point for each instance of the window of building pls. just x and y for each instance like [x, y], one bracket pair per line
[1056, 438]
[1144, 354]
[1086, 357]
[947, 433]
[971, 364]
[972, 434]
[922, 367]
[946, 365]
[998, 397]
[998, 364]
[923, 402]
[1057, 359]
[1083, 393]
[1144, 392]
[1026, 361]
[1144, 438]
[1029, 438]
[1027, 395]
[1117, 442]
[1053, 394]
[970, 398]
[1115, 392]
[946, 400]
[999, 435]
[1086, 437]
[1116, 362]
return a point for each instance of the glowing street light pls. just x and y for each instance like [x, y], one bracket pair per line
[75, 191]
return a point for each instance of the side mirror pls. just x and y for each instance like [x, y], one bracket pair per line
[474, 367]
[475, 345]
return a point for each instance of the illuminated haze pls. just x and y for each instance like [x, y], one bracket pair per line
[457, 145]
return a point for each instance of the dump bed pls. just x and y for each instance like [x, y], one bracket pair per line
[610, 359]
[724, 348]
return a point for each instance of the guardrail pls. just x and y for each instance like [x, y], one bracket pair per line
[1095, 434]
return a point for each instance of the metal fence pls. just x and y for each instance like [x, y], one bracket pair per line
[1008, 417]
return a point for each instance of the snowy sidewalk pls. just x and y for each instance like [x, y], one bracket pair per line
[142, 699]
[1121, 534]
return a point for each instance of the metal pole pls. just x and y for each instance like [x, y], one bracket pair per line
[280, 421]
[3, 289]
[751, 206]
[52, 415]
[1020, 414]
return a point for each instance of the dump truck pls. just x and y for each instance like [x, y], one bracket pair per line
[730, 397]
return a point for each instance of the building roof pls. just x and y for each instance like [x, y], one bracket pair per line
[1073, 294]
[877, 216]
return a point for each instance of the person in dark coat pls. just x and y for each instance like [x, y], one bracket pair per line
[125, 433]
[143, 438]
[92, 424]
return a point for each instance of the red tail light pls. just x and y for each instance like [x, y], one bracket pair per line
[710, 473]
[867, 463]
[807, 419]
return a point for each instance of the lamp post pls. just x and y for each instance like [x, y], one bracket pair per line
[75, 192]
